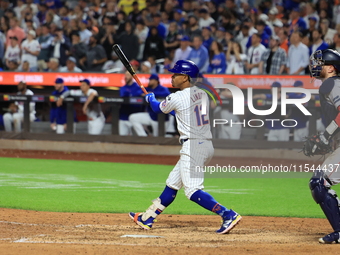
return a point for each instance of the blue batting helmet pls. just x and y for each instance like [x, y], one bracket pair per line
[322, 58]
[185, 67]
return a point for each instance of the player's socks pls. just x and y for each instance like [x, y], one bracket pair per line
[168, 196]
[159, 204]
[205, 200]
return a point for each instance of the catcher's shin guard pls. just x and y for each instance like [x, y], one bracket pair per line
[328, 200]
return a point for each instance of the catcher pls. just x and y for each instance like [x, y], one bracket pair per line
[325, 65]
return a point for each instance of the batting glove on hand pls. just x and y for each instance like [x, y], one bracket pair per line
[149, 97]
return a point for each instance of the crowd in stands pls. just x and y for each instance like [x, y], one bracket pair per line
[220, 36]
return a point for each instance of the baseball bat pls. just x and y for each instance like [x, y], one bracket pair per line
[127, 65]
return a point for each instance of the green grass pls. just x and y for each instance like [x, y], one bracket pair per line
[81, 186]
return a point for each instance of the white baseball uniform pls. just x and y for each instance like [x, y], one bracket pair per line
[18, 117]
[195, 135]
[95, 116]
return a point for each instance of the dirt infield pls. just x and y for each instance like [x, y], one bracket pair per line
[32, 232]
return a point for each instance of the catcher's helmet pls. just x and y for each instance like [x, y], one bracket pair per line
[322, 58]
[185, 67]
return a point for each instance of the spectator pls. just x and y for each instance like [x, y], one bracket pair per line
[193, 28]
[129, 41]
[171, 42]
[154, 65]
[311, 26]
[25, 67]
[78, 49]
[236, 59]
[60, 46]
[29, 25]
[162, 31]
[183, 51]
[13, 66]
[283, 35]
[130, 89]
[277, 132]
[260, 26]
[178, 17]
[58, 115]
[142, 32]
[301, 129]
[318, 43]
[297, 23]
[217, 63]
[53, 65]
[207, 38]
[154, 45]
[84, 33]
[65, 26]
[277, 27]
[135, 13]
[95, 56]
[114, 65]
[30, 51]
[45, 41]
[27, 14]
[327, 32]
[298, 55]
[205, 19]
[243, 37]
[220, 37]
[149, 118]
[15, 30]
[336, 42]
[12, 51]
[108, 39]
[255, 54]
[16, 115]
[70, 66]
[199, 54]
[311, 12]
[121, 18]
[95, 116]
[135, 65]
[274, 59]
[146, 67]
[31, 4]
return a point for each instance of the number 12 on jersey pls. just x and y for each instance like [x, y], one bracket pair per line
[199, 116]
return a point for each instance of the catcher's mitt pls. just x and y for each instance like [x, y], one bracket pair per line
[316, 145]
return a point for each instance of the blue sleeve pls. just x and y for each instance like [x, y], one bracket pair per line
[269, 96]
[248, 43]
[155, 105]
[204, 57]
[137, 92]
[223, 64]
[210, 68]
[53, 114]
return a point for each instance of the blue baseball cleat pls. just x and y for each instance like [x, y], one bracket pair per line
[330, 238]
[137, 218]
[228, 223]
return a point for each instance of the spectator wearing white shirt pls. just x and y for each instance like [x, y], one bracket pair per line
[71, 66]
[298, 55]
[236, 60]
[205, 19]
[13, 51]
[16, 115]
[53, 65]
[84, 33]
[30, 51]
[183, 51]
[142, 32]
[255, 53]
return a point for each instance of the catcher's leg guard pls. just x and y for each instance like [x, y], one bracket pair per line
[328, 200]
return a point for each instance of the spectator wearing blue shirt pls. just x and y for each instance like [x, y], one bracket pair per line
[260, 26]
[218, 63]
[149, 118]
[297, 23]
[318, 43]
[58, 115]
[130, 89]
[162, 31]
[207, 38]
[301, 128]
[199, 54]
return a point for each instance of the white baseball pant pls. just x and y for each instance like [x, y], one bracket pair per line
[16, 119]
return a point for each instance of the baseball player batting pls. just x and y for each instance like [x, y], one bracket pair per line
[325, 65]
[197, 149]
